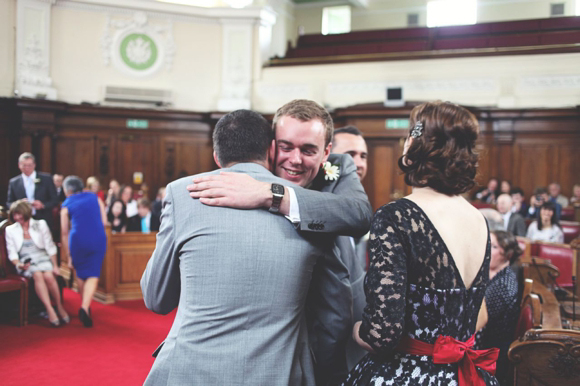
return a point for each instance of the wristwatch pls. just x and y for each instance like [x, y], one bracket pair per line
[277, 195]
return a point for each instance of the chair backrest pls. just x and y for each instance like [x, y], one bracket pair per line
[525, 245]
[563, 257]
[571, 230]
[6, 267]
[482, 205]
[567, 214]
[530, 315]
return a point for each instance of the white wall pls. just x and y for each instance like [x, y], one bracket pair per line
[7, 46]
[79, 73]
[383, 14]
[505, 81]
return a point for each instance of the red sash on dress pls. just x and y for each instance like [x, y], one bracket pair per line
[449, 350]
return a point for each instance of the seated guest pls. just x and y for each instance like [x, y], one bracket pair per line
[505, 187]
[489, 194]
[126, 196]
[512, 222]
[501, 301]
[144, 221]
[93, 185]
[540, 197]
[83, 238]
[546, 227]
[117, 217]
[57, 179]
[518, 199]
[158, 203]
[575, 199]
[113, 193]
[554, 190]
[31, 249]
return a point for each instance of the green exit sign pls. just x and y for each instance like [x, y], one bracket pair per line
[137, 124]
[397, 124]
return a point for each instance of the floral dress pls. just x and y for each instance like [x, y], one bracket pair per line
[414, 289]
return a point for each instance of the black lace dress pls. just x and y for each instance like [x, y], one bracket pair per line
[413, 288]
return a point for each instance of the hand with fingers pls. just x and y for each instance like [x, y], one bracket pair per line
[234, 190]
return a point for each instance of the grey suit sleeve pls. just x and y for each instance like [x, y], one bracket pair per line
[520, 228]
[11, 197]
[52, 199]
[344, 210]
[330, 315]
[161, 282]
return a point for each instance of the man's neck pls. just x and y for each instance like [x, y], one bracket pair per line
[265, 164]
[31, 175]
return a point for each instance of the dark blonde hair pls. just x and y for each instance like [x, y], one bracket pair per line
[21, 207]
[443, 157]
[306, 110]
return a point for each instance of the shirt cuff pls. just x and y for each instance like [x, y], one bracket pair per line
[294, 212]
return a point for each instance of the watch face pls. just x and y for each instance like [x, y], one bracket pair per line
[277, 189]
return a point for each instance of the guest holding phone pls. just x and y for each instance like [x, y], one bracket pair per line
[31, 249]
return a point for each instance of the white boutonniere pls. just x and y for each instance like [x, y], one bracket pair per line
[331, 172]
[37, 180]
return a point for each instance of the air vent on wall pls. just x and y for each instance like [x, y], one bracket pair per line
[556, 9]
[412, 20]
[141, 96]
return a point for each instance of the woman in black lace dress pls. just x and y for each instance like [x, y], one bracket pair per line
[429, 264]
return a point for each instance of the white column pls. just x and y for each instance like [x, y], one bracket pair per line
[239, 50]
[33, 49]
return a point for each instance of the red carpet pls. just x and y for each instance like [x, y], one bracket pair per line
[115, 351]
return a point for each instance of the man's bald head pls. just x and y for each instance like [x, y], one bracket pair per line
[504, 203]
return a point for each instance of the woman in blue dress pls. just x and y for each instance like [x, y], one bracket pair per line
[84, 242]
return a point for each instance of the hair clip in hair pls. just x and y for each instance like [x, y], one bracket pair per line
[417, 130]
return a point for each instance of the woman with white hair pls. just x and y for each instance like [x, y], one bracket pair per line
[83, 240]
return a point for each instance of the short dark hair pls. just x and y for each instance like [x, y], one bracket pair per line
[242, 136]
[509, 243]
[443, 157]
[306, 110]
[144, 202]
[517, 190]
[348, 130]
[541, 190]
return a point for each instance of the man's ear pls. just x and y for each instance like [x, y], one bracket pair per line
[215, 158]
[272, 153]
[327, 152]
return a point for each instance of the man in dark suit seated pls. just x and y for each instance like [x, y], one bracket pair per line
[143, 221]
[37, 187]
[57, 179]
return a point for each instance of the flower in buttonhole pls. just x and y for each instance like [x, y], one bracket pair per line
[331, 172]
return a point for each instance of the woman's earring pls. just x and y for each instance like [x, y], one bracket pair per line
[417, 130]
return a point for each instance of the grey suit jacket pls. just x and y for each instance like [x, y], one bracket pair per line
[337, 298]
[517, 225]
[239, 280]
[44, 191]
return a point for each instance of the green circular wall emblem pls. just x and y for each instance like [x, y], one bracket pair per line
[138, 51]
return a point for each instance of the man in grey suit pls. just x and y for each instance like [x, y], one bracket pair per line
[513, 221]
[303, 131]
[239, 278]
[37, 187]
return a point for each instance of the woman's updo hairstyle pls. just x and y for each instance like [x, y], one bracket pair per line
[443, 156]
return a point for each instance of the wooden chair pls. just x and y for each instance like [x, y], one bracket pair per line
[567, 214]
[563, 257]
[525, 245]
[530, 315]
[571, 230]
[10, 281]
[546, 357]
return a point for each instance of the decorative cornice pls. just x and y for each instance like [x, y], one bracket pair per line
[550, 82]
[175, 12]
[475, 85]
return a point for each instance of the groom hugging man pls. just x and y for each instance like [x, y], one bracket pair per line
[323, 199]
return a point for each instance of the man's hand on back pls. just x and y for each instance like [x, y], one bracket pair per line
[234, 190]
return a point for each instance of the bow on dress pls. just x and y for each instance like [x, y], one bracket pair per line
[450, 350]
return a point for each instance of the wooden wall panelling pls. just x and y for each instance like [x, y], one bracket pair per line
[136, 153]
[75, 155]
